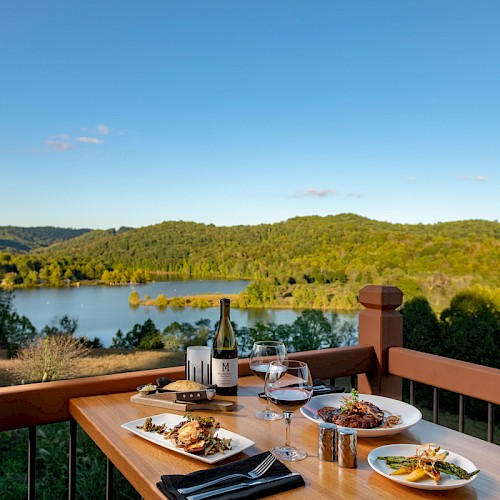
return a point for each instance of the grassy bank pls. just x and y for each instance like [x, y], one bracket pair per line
[106, 361]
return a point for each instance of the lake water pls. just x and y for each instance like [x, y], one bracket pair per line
[102, 310]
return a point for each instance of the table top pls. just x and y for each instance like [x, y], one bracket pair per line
[143, 462]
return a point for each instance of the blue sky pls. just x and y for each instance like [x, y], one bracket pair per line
[232, 112]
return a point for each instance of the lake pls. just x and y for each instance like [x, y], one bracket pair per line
[102, 310]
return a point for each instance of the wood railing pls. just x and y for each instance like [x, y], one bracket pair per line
[476, 381]
[44, 403]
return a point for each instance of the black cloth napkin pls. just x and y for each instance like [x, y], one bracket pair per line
[169, 484]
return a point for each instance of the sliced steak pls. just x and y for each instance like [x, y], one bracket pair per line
[364, 416]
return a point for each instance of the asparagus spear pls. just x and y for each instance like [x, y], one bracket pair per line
[395, 462]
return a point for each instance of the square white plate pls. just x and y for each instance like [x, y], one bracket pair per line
[446, 482]
[239, 443]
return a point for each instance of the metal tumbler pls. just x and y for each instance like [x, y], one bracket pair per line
[327, 442]
[347, 448]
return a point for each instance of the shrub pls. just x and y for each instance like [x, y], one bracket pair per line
[49, 358]
[161, 301]
[134, 298]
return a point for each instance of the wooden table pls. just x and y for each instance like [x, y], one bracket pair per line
[142, 462]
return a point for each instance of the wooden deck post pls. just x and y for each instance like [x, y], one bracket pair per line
[380, 326]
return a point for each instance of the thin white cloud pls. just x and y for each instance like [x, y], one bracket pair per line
[59, 143]
[102, 129]
[319, 193]
[90, 140]
[354, 195]
[476, 178]
[411, 179]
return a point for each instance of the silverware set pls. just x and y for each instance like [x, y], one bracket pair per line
[255, 473]
[240, 486]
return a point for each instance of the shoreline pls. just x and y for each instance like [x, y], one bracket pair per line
[212, 300]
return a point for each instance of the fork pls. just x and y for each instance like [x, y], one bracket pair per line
[255, 473]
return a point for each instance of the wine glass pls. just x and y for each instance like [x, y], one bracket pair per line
[288, 385]
[261, 356]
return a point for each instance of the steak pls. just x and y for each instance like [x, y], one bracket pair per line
[364, 416]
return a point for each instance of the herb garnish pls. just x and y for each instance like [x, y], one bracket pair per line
[349, 402]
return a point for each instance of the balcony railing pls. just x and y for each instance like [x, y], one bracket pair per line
[379, 361]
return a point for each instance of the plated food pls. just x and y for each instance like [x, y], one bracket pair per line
[169, 421]
[193, 434]
[357, 414]
[369, 415]
[426, 467]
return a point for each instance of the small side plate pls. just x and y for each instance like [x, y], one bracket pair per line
[446, 482]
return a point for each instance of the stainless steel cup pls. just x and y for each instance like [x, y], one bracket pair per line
[327, 442]
[347, 441]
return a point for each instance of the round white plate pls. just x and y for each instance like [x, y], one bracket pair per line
[446, 482]
[408, 413]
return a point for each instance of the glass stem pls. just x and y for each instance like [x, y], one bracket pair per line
[288, 420]
[268, 403]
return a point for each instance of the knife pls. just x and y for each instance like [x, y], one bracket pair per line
[186, 397]
[240, 486]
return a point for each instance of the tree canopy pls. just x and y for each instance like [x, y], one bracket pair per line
[328, 259]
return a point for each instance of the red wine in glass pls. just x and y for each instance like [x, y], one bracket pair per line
[289, 386]
[289, 399]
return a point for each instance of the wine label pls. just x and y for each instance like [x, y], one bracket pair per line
[225, 372]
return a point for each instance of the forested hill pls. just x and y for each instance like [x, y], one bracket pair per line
[23, 239]
[320, 249]
[341, 253]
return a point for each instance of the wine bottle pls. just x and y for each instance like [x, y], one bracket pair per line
[225, 354]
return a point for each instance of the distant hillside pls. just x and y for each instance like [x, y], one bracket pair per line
[313, 260]
[24, 239]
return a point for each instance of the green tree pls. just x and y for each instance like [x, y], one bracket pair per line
[118, 341]
[140, 337]
[421, 328]
[161, 301]
[471, 329]
[312, 330]
[64, 325]
[134, 299]
[15, 331]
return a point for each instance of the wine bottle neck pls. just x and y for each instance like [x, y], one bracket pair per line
[225, 308]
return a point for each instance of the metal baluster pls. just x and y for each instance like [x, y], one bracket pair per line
[72, 460]
[412, 392]
[490, 422]
[435, 405]
[32, 462]
[461, 413]
[109, 479]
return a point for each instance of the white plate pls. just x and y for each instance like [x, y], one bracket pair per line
[239, 443]
[408, 413]
[445, 483]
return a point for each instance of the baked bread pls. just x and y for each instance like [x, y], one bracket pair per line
[184, 386]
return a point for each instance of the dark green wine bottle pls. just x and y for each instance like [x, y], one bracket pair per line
[225, 354]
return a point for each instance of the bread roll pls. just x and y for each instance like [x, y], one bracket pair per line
[184, 386]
